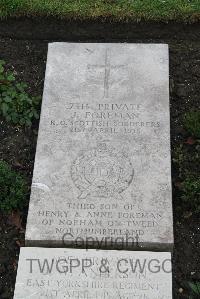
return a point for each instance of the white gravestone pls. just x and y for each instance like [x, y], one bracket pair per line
[102, 174]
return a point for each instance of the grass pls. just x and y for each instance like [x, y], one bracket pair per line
[118, 10]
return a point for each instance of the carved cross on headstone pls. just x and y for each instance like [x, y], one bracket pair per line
[107, 66]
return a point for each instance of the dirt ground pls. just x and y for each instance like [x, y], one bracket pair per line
[23, 45]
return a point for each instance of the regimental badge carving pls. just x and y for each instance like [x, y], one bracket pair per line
[102, 172]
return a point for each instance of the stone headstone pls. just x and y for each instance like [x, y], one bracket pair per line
[102, 173]
[89, 274]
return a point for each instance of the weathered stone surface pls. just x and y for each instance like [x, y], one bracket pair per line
[73, 273]
[102, 170]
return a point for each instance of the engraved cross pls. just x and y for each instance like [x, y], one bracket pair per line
[107, 67]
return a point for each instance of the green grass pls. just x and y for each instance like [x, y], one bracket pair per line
[136, 10]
